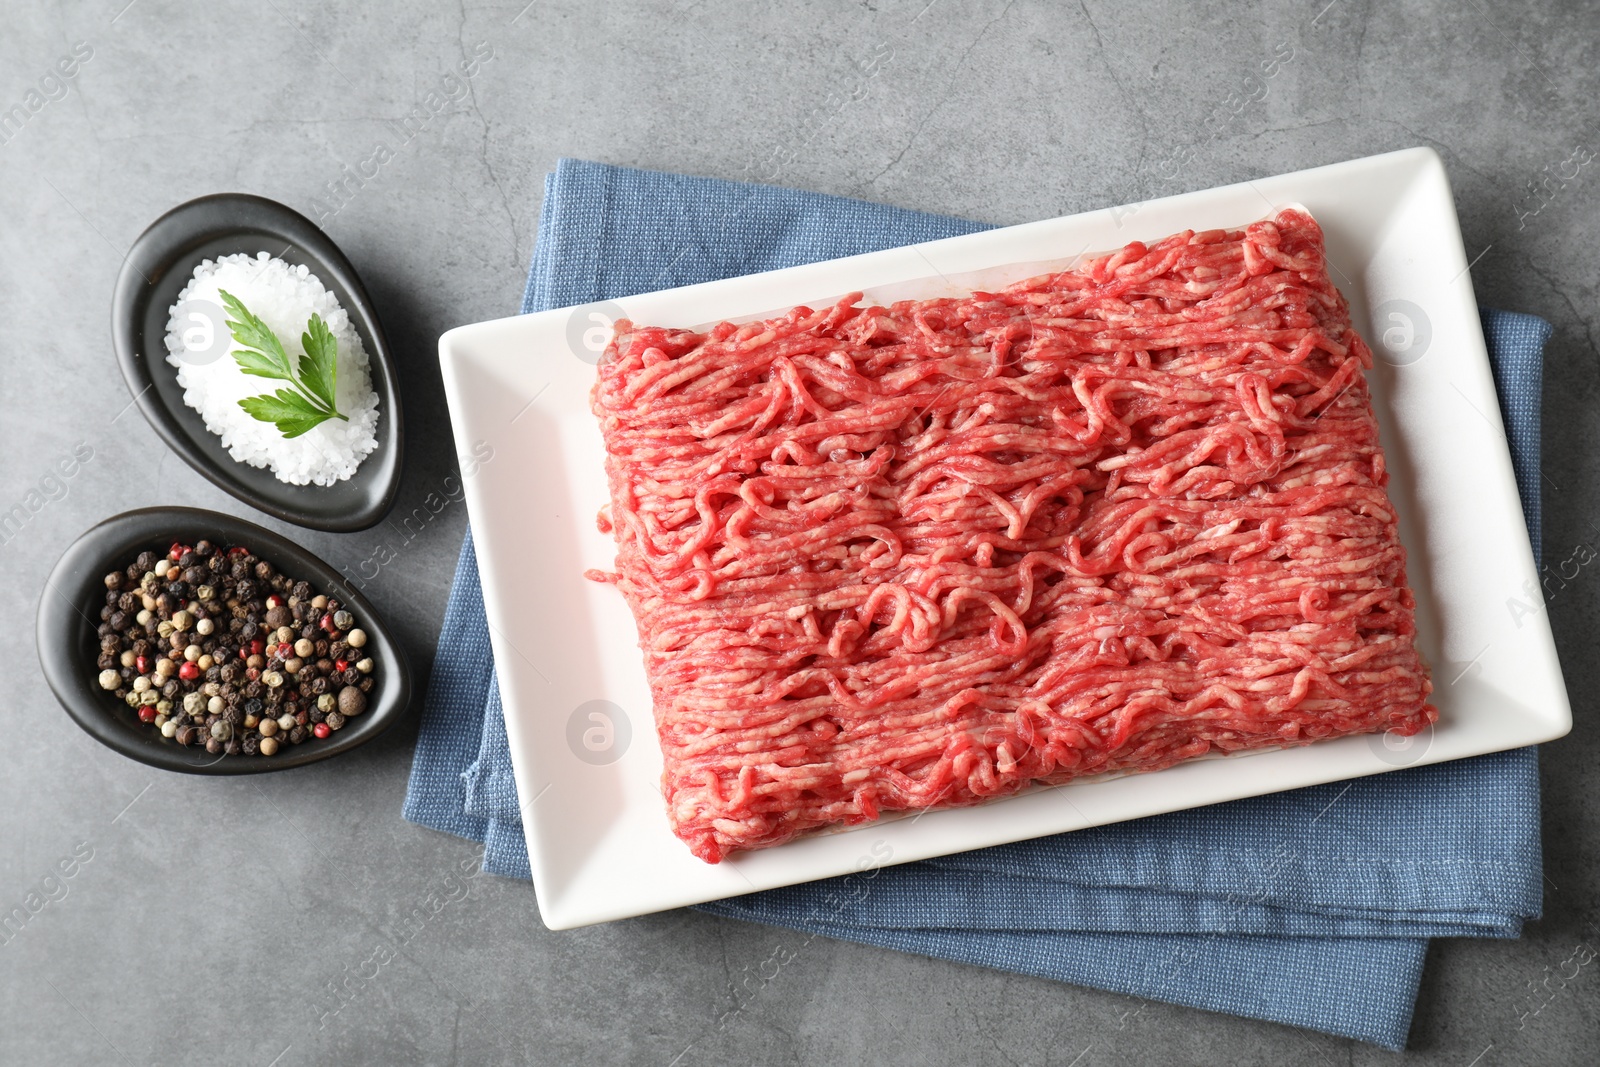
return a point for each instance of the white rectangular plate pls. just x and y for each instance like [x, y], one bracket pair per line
[597, 832]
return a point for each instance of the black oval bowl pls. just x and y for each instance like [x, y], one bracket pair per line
[69, 612]
[157, 268]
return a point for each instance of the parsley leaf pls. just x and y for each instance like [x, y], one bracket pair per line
[310, 400]
[291, 412]
[262, 353]
[319, 367]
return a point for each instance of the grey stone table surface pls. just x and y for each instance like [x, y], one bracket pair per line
[212, 915]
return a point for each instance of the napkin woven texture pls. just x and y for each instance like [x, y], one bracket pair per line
[1312, 907]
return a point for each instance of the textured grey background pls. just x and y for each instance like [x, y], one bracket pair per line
[215, 913]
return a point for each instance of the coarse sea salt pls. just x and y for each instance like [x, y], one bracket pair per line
[284, 297]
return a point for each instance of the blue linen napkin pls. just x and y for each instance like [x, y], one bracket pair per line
[1311, 907]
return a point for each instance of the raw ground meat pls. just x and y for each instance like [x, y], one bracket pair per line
[1108, 519]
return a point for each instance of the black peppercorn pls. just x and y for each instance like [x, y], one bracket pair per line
[107, 661]
[203, 548]
[217, 564]
[251, 744]
[245, 590]
[106, 613]
[253, 706]
[297, 735]
[231, 748]
[195, 575]
[145, 561]
[302, 590]
[366, 684]
[233, 714]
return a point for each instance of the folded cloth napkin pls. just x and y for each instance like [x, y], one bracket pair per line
[1311, 907]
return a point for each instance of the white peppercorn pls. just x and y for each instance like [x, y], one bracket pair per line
[110, 679]
[356, 638]
[268, 727]
[269, 746]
